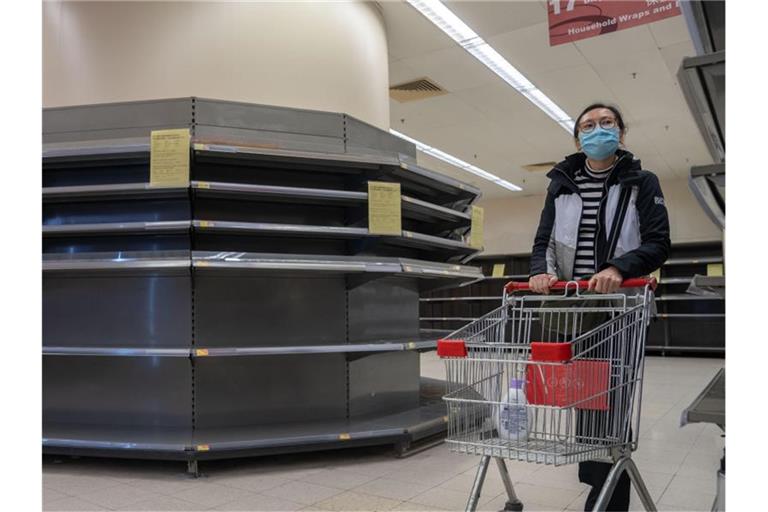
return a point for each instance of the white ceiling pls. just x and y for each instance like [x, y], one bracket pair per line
[485, 122]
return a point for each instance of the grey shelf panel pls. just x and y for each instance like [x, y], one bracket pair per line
[459, 299]
[381, 346]
[411, 206]
[408, 238]
[118, 228]
[709, 406]
[693, 261]
[128, 147]
[135, 260]
[255, 262]
[114, 438]
[405, 170]
[675, 280]
[685, 296]
[116, 352]
[126, 190]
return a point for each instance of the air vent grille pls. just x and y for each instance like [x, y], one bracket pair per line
[416, 90]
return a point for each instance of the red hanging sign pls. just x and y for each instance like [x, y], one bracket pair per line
[572, 20]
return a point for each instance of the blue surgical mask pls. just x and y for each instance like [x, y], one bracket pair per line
[600, 143]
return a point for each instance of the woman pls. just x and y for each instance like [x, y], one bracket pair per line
[604, 220]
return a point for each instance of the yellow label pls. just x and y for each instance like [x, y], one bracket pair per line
[657, 274]
[203, 184]
[411, 345]
[715, 269]
[206, 224]
[202, 263]
[344, 437]
[384, 212]
[498, 270]
[200, 147]
[201, 352]
[476, 231]
[445, 419]
[169, 158]
[203, 447]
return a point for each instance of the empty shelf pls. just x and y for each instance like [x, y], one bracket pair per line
[116, 352]
[158, 260]
[122, 190]
[117, 228]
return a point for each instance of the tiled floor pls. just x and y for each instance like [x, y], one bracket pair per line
[678, 465]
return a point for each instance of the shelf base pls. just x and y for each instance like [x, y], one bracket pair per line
[399, 429]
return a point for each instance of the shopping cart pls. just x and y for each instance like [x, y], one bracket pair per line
[550, 379]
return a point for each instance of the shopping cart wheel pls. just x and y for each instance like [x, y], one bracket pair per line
[514, 506]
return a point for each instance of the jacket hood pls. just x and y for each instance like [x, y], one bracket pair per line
[626, 170]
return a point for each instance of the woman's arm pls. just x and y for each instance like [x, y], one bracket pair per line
[542, 239]
[654, 234]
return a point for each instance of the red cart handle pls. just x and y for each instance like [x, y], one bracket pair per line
[638, 282]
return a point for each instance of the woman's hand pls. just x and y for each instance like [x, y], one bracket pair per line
[540, 283]
[606, 281]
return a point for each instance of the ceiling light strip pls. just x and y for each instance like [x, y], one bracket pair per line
[457, 162]
[456, 29]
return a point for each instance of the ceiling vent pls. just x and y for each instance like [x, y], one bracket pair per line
[416, 90]
[540, 167]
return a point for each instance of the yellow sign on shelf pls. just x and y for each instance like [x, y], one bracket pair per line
[499, 269]
[657, 274]
[476, 230]
[715, 269]
[169, 158]
[344, 437]
[384, 211]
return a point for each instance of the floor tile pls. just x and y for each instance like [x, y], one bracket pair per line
[118, 497]
[355, 501]
[302, 492]
[442, 498]
[74, 485]
[252, 482]
[211, 495]
[166, 484]
[162, 503]
[52, 495]
[338, 478]
[72, 504]
[259, 502]
[392, 489]
[556, 497]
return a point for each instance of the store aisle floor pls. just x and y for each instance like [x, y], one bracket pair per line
[678, 465]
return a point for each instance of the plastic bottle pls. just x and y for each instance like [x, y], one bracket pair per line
[513, 415]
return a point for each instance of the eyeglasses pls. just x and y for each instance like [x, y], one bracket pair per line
[606, 123]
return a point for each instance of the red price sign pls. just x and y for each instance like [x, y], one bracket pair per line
[572, 20]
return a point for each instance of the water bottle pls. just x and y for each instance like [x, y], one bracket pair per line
[513, 417]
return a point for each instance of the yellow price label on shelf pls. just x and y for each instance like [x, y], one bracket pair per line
[199, 147]
[476, 230]
[169, 158]
[344, 437]
[499, 269]
[384, 208]
[202, 263]
[203, 447]
[411, 345]
[201, 352]
[715, 269]
[445, 419]
[657, 274]
[203, 184]
[206, 224]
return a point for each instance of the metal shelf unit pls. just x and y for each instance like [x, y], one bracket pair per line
[261, 275]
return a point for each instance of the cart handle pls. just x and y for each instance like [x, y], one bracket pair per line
[638, 282]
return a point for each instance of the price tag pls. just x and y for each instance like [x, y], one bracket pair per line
[499, 269]
[476, 230]
[384, 212]
[203, 447]
[715, 269]
[411, 345]
[657, 274]
[206, 224]
[200, 352]
[344, 437]
[203, 184]
[169, 158]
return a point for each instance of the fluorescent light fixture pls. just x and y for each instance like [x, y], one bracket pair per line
[448, 22]
[461, 164]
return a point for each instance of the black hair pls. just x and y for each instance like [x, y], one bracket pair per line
[615, 110]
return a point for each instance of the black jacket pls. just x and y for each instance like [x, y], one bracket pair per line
[641, 244]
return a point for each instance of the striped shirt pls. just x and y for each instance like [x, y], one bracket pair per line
[591, 188]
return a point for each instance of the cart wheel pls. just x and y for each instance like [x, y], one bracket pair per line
[514, 506]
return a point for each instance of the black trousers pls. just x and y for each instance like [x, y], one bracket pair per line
[595, 473]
